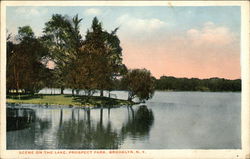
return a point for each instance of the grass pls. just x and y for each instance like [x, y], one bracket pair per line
[67, 100]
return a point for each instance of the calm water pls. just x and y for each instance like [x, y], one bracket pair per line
[171, 120]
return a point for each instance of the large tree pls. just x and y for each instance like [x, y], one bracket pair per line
[25, 62]
[95, 45]
[106, 55]
[62, 37]
[90, 64]
[139, 83]
[76, 43]
[114, 55]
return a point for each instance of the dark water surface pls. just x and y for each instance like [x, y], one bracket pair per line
[171, 120]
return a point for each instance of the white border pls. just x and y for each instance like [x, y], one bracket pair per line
[172, 153]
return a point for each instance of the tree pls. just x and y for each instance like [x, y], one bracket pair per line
[10, 82]
[195, 84]
[83, 74]
[25, 67]
[25, 32]
[103, 48]
[114, 55]
[80, 63]
[86, 69]
[96, 49]
[76, 43]
[62, 38]
[139, 83]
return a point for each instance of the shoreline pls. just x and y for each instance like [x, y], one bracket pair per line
[69, 101]
[29, 105]
[199, 91]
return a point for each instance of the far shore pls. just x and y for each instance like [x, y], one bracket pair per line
[197, 91]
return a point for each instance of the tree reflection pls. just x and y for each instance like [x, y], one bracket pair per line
[32, 129]
[139, 122]
[87, 134]
[19, 118]
[75, 128]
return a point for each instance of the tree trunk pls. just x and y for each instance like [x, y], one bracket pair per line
[101, 115]
[62, 89]
[73, 92]
[109, 112]
[133, 113]
[130, 96]
[88, 117]
[61, 118]
[87, 93]
[77, 91]
[17, 81]
[72, 115]
[101, 93]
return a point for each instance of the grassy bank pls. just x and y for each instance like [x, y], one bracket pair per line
[66, 100]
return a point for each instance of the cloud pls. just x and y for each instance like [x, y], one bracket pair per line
[140, 24]
[93, 11]
[208, 51]
[31, 11]
[210, 34]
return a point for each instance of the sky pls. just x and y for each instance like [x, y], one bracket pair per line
[192, 42]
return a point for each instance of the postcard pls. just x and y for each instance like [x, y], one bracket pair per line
[125, 79]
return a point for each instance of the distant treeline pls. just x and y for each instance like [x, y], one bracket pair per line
[195, 84]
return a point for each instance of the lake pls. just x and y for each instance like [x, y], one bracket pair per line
[170, 120]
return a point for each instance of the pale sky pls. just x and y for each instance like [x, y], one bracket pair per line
[199, 42]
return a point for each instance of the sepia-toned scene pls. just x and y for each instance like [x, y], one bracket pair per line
[123, 77]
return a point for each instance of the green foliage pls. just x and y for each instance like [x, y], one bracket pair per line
[139, 83]
[94, 63]
[98, 61]
[96, 52]
[25, 32]
[79, 63]
[62, 38]
[195, 84]
[25, 69]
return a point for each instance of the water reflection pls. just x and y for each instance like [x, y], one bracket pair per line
[86, 133]
[139, 122]
[180, 121]
[71, 128]
[19, 118]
